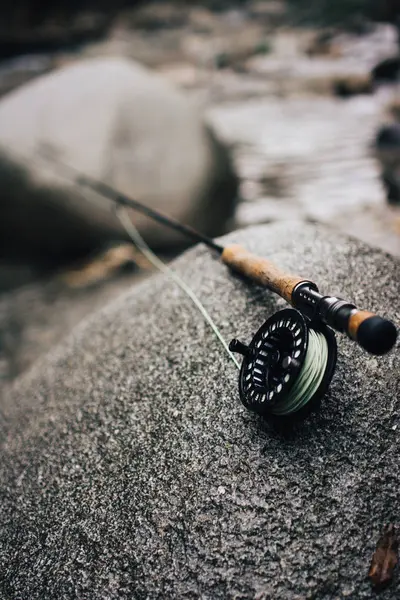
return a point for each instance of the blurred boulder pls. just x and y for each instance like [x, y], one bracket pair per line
[393, 109]
[346, 86]
[232, 45]
[202, 19]
[387, 150]
[268, 12]
[324, 43]
[158, 15]
[116, 121]
[129, 468]
[387, 70]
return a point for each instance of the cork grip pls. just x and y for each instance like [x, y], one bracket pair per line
[261, 270]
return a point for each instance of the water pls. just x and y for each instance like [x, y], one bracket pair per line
[309, 155]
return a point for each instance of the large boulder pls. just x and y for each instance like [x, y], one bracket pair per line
[129, 469]
[118, 122]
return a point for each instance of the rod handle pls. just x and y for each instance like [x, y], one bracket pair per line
[373, 333]
[261, 270]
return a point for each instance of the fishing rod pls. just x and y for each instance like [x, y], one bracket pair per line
[288, 365]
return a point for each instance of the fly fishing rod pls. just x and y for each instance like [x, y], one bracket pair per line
[288, 365]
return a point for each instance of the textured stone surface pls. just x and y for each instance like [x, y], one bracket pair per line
[35, 317]
[129, 469]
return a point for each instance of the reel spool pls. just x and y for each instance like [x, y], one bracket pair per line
[287, 366]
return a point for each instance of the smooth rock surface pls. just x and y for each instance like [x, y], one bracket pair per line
[116, 121]
[129, 469]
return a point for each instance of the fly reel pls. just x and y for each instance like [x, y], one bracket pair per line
[288, 365]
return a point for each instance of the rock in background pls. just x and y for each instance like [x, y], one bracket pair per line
[129, 468]
[116, 121]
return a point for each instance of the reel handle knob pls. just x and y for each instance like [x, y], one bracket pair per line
[240, 348]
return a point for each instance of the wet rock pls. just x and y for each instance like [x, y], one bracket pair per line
[268, 12]
[388, 137]
[344, 65]
[351, 85]
[388, 70]
[158, 15]
[393, 109]
[387, 148]
[202, 20]
[234, 42]
[323, 44]
[116, 121]
[129, 469]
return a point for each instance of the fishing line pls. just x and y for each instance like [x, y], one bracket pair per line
[310, 376]
[161, 266]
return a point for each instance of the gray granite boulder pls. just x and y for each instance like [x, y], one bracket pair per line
[114, 120]
[129, 469]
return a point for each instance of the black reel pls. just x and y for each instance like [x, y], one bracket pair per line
[280, 373]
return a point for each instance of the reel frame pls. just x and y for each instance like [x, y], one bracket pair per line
[274, 359]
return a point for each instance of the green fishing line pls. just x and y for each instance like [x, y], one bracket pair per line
[310, 376]
[139, 242]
